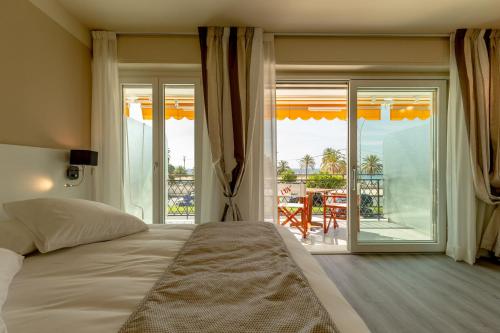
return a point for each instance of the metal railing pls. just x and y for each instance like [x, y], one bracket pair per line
[181, 196]
[370, 189]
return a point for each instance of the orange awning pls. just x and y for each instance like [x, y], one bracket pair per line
[304, 114]
[410, 114]
[177, 109]
[183, 108]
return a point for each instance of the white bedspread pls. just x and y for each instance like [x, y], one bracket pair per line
[95, 287]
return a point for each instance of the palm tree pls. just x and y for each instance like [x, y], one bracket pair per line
[307, 162]
[342, 167]
[333, 161]
[282, 167]
[371, 165]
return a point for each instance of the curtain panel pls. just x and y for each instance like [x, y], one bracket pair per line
[475, 124]
[232, 70]
[106, 120]
[460, 195]
[270, 204]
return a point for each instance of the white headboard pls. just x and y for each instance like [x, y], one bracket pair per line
[32, 172]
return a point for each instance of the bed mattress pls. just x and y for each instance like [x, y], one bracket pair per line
[95, 287]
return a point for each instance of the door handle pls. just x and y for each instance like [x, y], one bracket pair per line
[354, 180]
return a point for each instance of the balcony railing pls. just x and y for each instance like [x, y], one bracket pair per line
[370, 189]
[181, 196]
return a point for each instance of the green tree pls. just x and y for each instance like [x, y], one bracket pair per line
[326, 180]
[371, 165]
[288, 176]
[171, 171]
[307, 162]
[333, 161]
[171, 168]
[180, 171]
[282, 167]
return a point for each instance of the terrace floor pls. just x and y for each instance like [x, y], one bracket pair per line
[371, 230]
[179, 219]
[335, 241]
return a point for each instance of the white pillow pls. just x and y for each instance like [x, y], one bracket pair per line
[16, 237]
[11, 263]
[59, 223]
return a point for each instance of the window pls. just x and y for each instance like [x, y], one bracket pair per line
[358, 162]
[312, 152]
[159, 130]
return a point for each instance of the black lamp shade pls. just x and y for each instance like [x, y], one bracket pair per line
[83, 157]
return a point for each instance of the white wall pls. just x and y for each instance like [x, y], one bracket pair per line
[32, 172]
[396, 54]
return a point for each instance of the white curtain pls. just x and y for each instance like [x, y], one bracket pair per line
[106, 121]
[256, 195]
[212, 200]
[258, 188]
[269, 131]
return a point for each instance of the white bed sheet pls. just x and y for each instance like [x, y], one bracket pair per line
[95, 287]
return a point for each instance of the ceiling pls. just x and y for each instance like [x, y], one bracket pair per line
[293, 16]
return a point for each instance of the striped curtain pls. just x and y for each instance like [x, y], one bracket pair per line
[232, 70]
[477, 57]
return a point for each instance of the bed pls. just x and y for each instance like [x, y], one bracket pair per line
[95, 287]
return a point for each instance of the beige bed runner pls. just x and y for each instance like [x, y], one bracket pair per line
[231, 277]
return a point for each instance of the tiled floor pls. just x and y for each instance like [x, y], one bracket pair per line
[371, 230]
[335, 241]
[180, 220]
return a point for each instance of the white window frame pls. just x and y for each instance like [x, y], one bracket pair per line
[438, 167]
[355, 80]
[158, 79]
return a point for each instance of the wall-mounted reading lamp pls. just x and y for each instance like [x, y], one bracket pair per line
[79, 158]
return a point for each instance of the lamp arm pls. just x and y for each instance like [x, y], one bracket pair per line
[81, 179]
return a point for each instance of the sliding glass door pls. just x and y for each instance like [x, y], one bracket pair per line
[396, 165]
[160, 146]
[311, 140]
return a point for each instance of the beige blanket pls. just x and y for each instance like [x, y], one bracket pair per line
[231, 277]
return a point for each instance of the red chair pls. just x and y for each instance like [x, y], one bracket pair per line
[292, 211]
[334, 207]
[293, 205]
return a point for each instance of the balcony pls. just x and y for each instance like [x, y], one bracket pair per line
[181, 200]
[375, 222]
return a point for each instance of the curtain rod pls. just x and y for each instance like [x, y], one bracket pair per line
[291, 34]
[358, 34]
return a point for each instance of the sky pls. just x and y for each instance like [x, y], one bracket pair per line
[180, 140]
[295, 138]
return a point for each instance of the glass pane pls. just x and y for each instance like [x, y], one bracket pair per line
[395, 165]
[312, 131]
[179, 153]
[138, 151]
